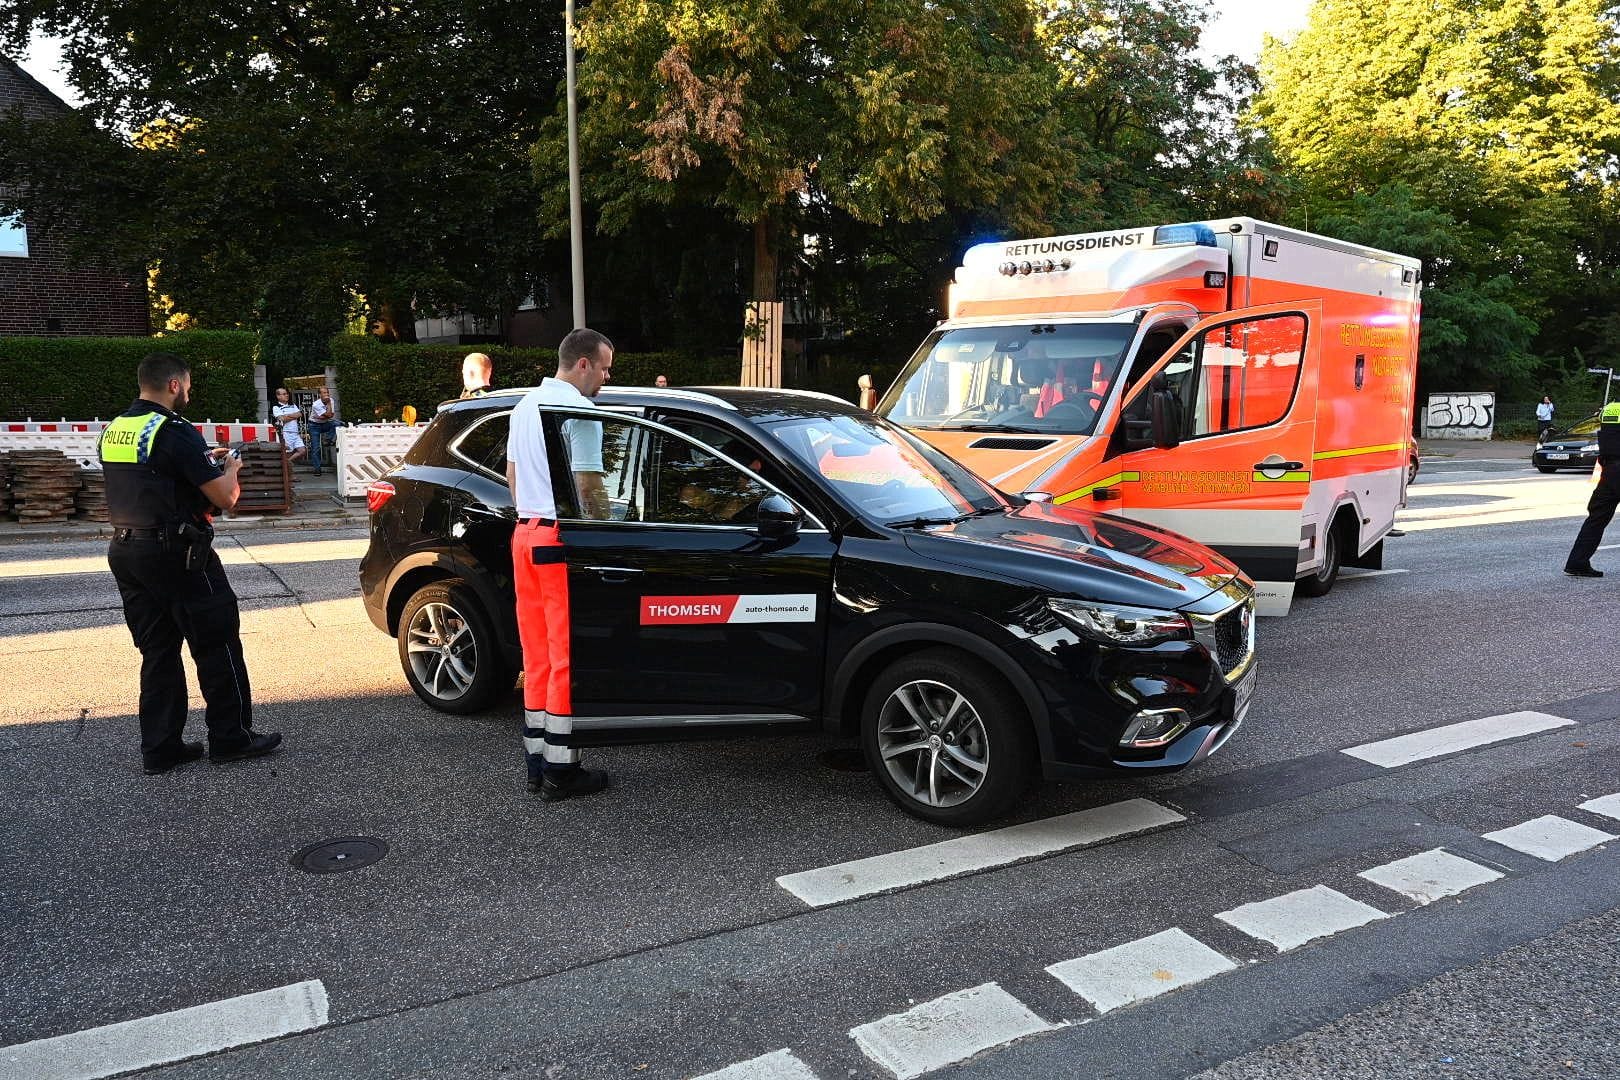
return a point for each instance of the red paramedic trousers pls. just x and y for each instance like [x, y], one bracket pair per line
[540, 577]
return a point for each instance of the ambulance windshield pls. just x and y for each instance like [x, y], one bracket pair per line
[1045, 377]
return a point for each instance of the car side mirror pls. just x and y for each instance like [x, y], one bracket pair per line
[777, 518]
[1166, 415]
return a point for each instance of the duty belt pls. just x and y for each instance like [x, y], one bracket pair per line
[142, 534]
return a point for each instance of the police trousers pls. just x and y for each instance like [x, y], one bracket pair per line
[164, 603]
[541, 579]
[1599, 512]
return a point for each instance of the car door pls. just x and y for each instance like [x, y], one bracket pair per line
[1243, 386]
[685, 619]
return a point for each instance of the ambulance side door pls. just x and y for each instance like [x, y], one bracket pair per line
[1238, 393]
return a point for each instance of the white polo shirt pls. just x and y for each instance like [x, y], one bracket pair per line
[526, 446]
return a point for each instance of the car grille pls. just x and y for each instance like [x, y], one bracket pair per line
[1232, 637]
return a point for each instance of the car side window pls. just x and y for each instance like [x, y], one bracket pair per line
[1245, 376]
[484, 444]
[696, 487]
[599, 466]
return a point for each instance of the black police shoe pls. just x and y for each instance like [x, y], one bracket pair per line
[260, 744]
[189, 751]
[1582, 571]
[562, 784]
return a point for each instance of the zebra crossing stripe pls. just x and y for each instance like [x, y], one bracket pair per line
[1290, 920]
[1140, 969]
[1549, 837]
[782, 1065]
[1430, 876]
[1454, 738]
[947, 1030]
[1607, 805]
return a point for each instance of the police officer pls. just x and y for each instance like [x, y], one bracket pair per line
[162, 483]
[1605, 497]
[539, 574]
[477, 370]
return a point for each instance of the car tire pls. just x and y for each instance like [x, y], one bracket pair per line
[1319, 582]
[969, 769]
[449, 651]
[1547, 468]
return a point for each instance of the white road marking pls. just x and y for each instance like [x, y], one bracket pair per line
[1608, 547]
[169, 1037]
[947, 1030]
[1549, 837]
[1290, 920]
[981, 851]
[1431, 875]
[1140, 969]
[782, 1065]
[1607, 805]
[1453, 738]
[1356, 575]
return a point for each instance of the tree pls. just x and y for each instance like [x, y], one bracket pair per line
[277, 160]
[894, 111]
[1487, 130]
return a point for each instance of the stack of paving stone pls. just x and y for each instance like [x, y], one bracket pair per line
[43, 486]
[266, 479]
[5, 482]
[92, 501]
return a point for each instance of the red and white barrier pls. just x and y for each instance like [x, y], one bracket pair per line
[77, 438]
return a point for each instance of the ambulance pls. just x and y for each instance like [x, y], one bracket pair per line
[1245, 384]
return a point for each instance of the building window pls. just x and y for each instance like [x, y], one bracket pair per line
[13, 238]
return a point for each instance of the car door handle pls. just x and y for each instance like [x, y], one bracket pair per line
[1287, 466]
[613, 575]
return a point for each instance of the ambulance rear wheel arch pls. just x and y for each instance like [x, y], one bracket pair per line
[875, 653]
[1342, 534]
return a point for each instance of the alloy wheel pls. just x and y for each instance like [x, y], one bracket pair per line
[443, 652]
[933, 743]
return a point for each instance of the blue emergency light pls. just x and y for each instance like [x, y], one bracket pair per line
[1199, 234]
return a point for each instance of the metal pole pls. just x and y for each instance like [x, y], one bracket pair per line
[576, 226]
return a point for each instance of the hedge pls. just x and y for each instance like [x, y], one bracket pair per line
[82, 378]
[376, 381]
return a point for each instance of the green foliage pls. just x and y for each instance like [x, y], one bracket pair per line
[82, 378]
[377, 380]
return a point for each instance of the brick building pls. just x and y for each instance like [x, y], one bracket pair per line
[44, 291]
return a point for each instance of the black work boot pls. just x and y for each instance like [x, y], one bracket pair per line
[258, 745]
[559, 784]
[1582, 571]
[189, 751]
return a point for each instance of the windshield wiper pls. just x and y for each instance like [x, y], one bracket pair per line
[924, 522]
[1004, 429]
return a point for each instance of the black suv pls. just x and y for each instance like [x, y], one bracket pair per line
[777, 560]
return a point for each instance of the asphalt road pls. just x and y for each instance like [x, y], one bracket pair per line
[643, 933]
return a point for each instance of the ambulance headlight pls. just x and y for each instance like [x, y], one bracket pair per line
[1113, 624]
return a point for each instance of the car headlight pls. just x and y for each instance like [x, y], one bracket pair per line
[1114, 624]
[1590, 448]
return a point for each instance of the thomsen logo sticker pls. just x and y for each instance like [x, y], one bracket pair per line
[697, 610]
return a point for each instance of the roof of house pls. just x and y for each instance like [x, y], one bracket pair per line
[18, 89]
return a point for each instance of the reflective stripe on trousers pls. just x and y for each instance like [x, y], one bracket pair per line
[541, 579]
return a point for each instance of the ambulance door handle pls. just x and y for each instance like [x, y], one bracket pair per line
[1289, 466]
[613, 575]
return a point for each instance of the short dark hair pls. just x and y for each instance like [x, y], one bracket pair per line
[581, 344]
[159, 367]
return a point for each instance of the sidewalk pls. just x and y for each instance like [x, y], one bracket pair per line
[315, 506]
[1475, 449]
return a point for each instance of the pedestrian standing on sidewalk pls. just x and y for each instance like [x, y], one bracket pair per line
[1605, 497]
[477, 371]
[1544, 415]
[540, 575]
[322, 423]
[162, 485]
[285, 416]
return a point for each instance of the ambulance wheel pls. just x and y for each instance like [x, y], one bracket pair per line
[448, 649]
[1319, 582]
[944, 738]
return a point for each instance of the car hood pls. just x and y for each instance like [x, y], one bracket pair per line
[1079, 553]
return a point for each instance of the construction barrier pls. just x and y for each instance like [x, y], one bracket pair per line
[367, 451]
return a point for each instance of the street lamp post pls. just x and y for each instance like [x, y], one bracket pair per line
[576, 227]
[1608, 379]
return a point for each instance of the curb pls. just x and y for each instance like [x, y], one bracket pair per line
[222, 527]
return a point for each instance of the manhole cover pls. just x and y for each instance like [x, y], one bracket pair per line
[344, 853]
[844, 759]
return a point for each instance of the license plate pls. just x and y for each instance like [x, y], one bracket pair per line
[1244, 690]
[1556, 457]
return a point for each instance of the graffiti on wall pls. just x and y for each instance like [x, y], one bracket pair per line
[1459, 416]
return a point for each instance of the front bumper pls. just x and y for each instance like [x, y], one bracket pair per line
[1563, 459]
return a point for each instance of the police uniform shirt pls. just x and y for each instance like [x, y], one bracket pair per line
[526, 446]
[176, 452]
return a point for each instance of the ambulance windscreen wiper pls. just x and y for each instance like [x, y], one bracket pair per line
[999, 429]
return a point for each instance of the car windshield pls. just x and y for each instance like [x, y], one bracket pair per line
[885, 474]
[1046, 377]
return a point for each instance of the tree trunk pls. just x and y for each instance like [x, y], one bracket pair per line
[764, 260]
[396, 321]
